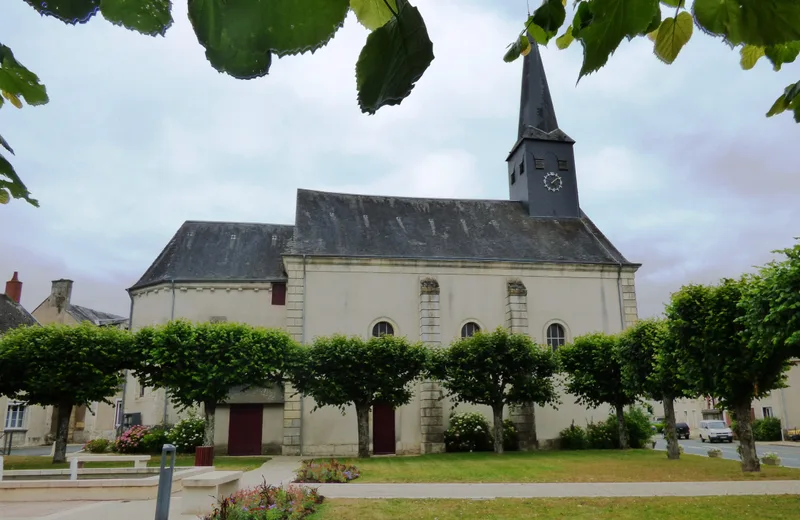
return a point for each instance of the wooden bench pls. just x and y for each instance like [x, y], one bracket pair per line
[77, 460]
[200, 491]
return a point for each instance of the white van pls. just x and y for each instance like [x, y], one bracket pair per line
[715, 431]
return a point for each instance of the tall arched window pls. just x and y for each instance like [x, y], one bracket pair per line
[382, 328]
[556, 336]
[469, 329]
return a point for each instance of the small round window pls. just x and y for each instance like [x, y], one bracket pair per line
[469, 329]
[382, 328]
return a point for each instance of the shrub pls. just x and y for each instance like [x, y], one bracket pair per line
[154, 439]
[266, 502]
[638, 426]
[97, 445]
[510, 436]
[323, 471]
[131, 440]
[187, 434]
[573, 438]
[771, 458]
[767, 429]
[715, 453]
[660, 427]
[602, 436]
[468, 431]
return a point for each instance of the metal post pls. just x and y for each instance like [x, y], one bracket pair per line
[1, 468]
[165, 483]
[73, 468]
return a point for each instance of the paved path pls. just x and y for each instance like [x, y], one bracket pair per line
[42, 450]
[790, 455]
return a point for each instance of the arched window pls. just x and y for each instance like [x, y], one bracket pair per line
[556, 336]
[382, 328]
[469, 329]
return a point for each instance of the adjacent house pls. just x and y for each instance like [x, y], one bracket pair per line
[430, 269]
[35, 425]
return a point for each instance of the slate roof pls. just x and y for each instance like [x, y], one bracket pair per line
[335, 224]
[13, 315]
[221, 251]
[82, 314]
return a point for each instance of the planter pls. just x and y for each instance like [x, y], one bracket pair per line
[204, 456]
[715, 454]
[771, 462]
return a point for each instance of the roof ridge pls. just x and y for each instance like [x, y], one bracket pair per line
[449, 199]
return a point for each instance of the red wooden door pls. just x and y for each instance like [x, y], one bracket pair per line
[383, 442]
[244, 432]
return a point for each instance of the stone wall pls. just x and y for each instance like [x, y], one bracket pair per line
[431, 409]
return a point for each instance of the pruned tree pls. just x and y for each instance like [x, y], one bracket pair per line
[726, 353]
[594, 375]
[497, 369]
[241, 38]
[341, 371]
[200, 363]
[651, 368]
[64, 366]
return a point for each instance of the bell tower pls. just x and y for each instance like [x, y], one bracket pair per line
[541, 166]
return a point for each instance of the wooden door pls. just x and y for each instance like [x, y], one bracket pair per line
[244, 432]
[383, 442]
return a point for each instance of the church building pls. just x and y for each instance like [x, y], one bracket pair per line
[432, 270]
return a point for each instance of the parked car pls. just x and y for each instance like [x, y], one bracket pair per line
[715, 431]
[681, 430]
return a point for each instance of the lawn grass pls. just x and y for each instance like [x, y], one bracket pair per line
[220, 462]
[657, 508]
[560, 466]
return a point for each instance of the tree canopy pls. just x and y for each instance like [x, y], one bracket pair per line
[64, 366]
[594, 375]
[340, 371]
[241, 38]
[200, 363]
[497, 369]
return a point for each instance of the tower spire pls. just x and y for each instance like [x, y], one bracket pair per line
[536, 107]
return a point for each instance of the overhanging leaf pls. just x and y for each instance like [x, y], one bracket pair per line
[673, 34]
[12, 98]
[68, 11]
[240, 35]
[719, 18]
[750, 56]
[373, 13]
[550, 16]
[782, 53]
[5, 197]
[674, 3]
[14, 184]
[524, 45]
[15, 79]
[566, 39]
[790, 99]
[582, 19]
[612, 20]
[394, 58]
[769, 22]
[5, 145]
[151, 17]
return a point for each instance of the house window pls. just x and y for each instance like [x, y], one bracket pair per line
[522, 168]
[556, 336]
[469, 329]
[15, 415]
[278, 294]
[767, 411]
[141, 390]
[513, 177]
[118, 413]
[382, 328]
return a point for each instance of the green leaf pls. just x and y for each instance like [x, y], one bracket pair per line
[750, 56]
[782, 53]
[4, 196]
[524, 45]
[550, 16]
[394, 58]
[19, 81]
[582, 19]
[790, 99]
[673, 34]
[373, 13]
[5, 145]
[538, 34]
[770, 22]
[566, 39]
[612, 20]
[674, 3]
[14, 184]
[521, 47]
[151, 17]
[68, 11]
[719, 18]
[655, 23]
[240, 36]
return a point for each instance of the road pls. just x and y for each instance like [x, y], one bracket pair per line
[790, 456]
[42, 450]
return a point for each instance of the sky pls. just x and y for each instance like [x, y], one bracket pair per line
[678, 164]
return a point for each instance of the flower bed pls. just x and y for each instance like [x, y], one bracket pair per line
[267, 502]
[325, 471]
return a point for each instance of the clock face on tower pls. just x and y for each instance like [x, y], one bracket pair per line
[552, 181]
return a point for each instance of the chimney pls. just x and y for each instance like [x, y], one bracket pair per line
[14, 288]
[60, 294]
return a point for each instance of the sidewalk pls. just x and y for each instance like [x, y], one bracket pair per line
[789, 444]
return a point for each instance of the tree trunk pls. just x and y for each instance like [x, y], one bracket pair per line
[362, 414]
[497, 411]
[747, 443]
[673, 449]
[209, 409]
[623, 433]
[62, 433]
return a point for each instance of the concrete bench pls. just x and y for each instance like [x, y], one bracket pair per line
[76, 460]
[199, 491]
